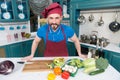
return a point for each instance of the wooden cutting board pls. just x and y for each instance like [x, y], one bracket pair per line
[37, 66]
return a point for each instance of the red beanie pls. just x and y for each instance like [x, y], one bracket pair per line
[51, 9]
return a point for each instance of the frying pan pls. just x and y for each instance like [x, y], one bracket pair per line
[6, 67]
[114, 26]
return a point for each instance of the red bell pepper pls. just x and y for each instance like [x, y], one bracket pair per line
[65, 75]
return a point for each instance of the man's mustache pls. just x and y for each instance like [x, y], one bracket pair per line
[54, 24]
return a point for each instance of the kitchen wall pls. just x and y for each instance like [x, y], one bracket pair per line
[8, 34]
[103, 31]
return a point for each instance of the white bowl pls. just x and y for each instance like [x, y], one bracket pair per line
[21, 15]
[6, 15]
[20, 7]
[4, 6]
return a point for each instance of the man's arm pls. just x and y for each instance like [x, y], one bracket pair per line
[77, 45]
[33, 48]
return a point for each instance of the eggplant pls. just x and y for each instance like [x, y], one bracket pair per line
[6, 67]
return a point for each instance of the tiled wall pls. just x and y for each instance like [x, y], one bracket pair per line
[103, 31]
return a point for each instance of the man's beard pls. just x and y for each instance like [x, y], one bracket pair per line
[54, 26]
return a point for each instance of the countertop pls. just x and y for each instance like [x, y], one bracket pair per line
[109, 74]
[110, 47]
[12, 42]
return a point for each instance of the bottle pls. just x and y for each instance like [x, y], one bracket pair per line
[97, 50]
[89, 53]
[96, 54]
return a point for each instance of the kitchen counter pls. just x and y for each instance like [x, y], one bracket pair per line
[110, 47]
[22, 40]
[109, 74]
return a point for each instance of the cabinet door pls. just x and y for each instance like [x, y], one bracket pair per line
[26, 48]
[113, 58]
[3, 51]
[14, 10]
[71, 49]
[15, 50]
[22, 10]
[6, 10]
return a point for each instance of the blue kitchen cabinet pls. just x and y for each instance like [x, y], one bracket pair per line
[20, 49]
[3, 51]
[26, 46]
[113, 58]
[71, 49]
[15, 50]
[14, 10]
[78, 5]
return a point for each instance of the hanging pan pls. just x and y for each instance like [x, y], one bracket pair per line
[114, 26]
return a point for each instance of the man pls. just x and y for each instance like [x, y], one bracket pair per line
[54, 34]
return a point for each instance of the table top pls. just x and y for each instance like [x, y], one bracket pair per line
[109, 74]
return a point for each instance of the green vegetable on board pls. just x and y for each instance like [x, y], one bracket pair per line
[96, 72]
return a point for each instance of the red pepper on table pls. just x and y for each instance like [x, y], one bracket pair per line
[65, 75]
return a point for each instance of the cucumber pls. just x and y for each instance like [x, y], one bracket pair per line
[96, 72]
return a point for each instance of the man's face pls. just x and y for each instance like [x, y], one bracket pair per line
[54, 20]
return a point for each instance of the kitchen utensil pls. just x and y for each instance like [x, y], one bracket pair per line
[37, 65]
[37, 6]
[114, 26]
[6, 67]
[93, 37]
[100, 22]
[81, 19]
[91, 18]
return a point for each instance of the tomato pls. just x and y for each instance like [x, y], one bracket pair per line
[65, 75]
[57, 70]
[51, 76]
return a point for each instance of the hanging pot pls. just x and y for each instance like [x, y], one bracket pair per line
[91, 18]
[81, 19]
[100, 22]
[114, 26]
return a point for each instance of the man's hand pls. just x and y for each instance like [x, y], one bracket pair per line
[83, 56]
[27, 58]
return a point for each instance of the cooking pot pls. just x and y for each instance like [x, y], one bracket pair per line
[6, 67]
[91, 18]
[100, 22]
[93, 37]
[81, 19]
[114, 26]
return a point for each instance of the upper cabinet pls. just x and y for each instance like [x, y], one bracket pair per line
[14, 10]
